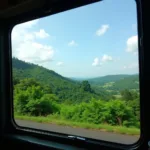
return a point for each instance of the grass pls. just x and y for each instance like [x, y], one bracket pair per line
[59, 121]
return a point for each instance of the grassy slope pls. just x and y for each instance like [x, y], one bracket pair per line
[60, 121]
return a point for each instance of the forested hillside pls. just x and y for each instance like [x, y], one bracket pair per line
[106, 79]
[131, 82]
[115, 83]
[66, 89]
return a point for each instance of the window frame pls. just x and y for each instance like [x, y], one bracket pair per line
[11, 128]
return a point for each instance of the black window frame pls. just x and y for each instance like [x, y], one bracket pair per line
[10, 130]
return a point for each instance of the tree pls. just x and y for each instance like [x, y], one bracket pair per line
[25, 83]
[118, 112]
[135, 105]
[85, 86]
[34, 99]
[126, 95]
[43, 106]
[20, 100]
[94, 111]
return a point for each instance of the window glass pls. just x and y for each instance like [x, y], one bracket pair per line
[77, 72]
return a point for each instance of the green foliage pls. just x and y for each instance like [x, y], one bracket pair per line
[118, 112]
[85, 86]
[31, 98]
[135, 105]
[20, 101]
[65, 89]
[114, 112]
[94, 111]
[25, 83]
[127, 95]
[42, 106]
[74, 101]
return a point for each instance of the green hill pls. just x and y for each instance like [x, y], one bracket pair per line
[65, 88]
[106, 79]
[23, 70]
[71, 91]
[115, 83]
[131, 82]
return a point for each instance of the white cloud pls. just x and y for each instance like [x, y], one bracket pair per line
[99, 62]
[131, 66]
[34, 52]
[96, 62]
[60, 63]
[41, 34]
[28, 37]
[106, 58]
[132, 44]
[102, 30]
[25, 47]
[72, 43]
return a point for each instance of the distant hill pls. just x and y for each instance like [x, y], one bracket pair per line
[131, 82]
[66, 89]
[106, 79]
[115, 82]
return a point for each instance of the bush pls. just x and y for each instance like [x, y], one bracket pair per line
[114, 112]
[34, 100]
[41, 107]
[66, 112]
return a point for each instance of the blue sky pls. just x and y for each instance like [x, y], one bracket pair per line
[90, 41]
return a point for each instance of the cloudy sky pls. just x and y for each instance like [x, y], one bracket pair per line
[90, 41]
